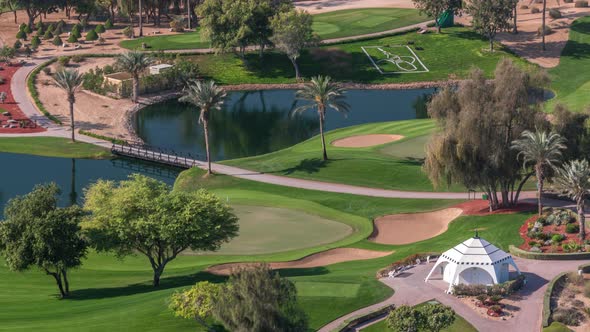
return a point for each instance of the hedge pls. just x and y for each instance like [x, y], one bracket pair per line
[410, 260]
[35, 94]
[350, 324]
[549, 256]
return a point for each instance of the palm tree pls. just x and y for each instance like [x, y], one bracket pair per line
[207, 96]
[134, 63]
[574, 180]
[69, 81]
[540, 149]
[321, 93]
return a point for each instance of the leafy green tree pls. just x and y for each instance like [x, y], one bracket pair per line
[491, 17]
[292, 32]
[575, 128]
[573, 179]
[57, 41]
[322, 94]
[436, 317]
[429, 317]
[35, 232]
[40, 26]
[91, 35]
[48, 35]
[435, 8]
[541, 150]
[35, 42]
[72, 39]
[76, 31]
[12, 6]
[143, 215]
[100, 29]
[70, 81]
[134, 63]
[28, 29]
[477, 123]
[21, 35]
[258, 299]
[197, 302]
[404, 319]
[7, 53]
[207, 96]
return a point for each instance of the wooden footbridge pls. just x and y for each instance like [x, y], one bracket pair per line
[168, 157]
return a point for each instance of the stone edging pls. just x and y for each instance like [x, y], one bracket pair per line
[548, 256]
[146, 101]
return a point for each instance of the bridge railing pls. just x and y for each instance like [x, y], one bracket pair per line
[156, 154]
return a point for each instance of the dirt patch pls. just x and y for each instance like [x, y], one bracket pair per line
[480, 207]
[412, 227]
[324, 6]
[324, 258]
[363, 141]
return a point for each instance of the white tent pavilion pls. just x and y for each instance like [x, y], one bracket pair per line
[475, 261]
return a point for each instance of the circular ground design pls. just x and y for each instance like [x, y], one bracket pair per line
[412, 227]
[267, 230]
[363, 141]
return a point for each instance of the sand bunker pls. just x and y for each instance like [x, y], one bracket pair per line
[324, 258]
[412, 227]
[363, 141]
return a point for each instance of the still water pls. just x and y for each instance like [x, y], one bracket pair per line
[257, 122]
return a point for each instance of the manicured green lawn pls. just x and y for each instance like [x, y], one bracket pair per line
[570, 80]
[556, 327]
[396, 165]
[52, 147]
[451, 54]
[337, 24]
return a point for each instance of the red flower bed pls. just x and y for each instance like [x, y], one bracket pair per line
[16, 119]
[547, 229]
[480, 207]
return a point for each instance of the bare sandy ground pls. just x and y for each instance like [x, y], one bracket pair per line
[92, 112]
[323, 6]
[527, 43]
[324, 258]
[363, 141]
[412, 227]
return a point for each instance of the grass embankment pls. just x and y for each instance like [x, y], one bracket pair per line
[450, 54]
[52, 147]
[570, 81]
[109, 294]
[397, 165]
[337, 24]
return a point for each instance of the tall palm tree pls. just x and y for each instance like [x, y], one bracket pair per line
[574, 180]
[207, 96]
[539, 149]
[70, 81]
[134, 63]
[321, 93]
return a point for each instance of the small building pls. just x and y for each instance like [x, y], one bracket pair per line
[121, 83]
[158, 69]
[474, 261]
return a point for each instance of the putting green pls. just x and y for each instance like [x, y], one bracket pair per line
[266, 230]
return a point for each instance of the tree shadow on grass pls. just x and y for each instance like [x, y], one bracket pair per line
[144, 287]
[303, 272]
[308, 166]
[412, 161]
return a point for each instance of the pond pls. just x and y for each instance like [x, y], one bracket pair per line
[257, 122]
[20, 173]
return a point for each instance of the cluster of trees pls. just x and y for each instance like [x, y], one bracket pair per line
[135, 216]
[429, 317]
[231, 24]
[253, 299]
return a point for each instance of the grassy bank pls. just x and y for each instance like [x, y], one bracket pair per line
[52, 147]
[571, 85]
[397, 165]
[337, 24]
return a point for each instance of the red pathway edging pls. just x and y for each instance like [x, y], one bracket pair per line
[482, 208]
[11, 106]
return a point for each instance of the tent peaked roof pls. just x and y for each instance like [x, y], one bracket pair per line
[476, 251]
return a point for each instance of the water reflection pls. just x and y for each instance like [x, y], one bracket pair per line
[258, 122]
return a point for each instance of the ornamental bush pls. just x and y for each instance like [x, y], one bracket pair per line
[35, 42]
[28, 29]
[63, 60]
[17, 44]
[72, 39]
[48, 35]
[108, 24]
[100, 28]
[21, 35]
[572, 228]
[554, 13]
[57, 41]
[39, 26]
[51, 27]
[76, 31]
[91, 35]
[128, 32]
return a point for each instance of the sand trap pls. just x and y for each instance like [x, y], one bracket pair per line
[412, 227]
[324, 258]
[363, 141]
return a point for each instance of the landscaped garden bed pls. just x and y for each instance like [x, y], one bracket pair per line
[556, 231]
[570, 302]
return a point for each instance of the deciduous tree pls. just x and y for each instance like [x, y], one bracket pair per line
[197, 302]
[435, 8]
[491, 16]
[143, 215]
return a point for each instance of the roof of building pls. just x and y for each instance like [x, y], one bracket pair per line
[476, 251]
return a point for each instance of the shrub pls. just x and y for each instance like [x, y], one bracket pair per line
[587, 290]
[554, 13]
[568, 316]
[77, 58]
[568, 1]
[91, 35]
[63, 60]
[27, 51]
[587, 311]
[72, 39]
[76, 31]
[28, 29]
[557, 238]
[470, 290]
[108, 24]
[535, 10]
[101, 41]
[58, 30]
[575, 279]
[100, 28]
[51, 27]
[35, 42]
[39, 26]
[21, 35]
[57, 41]
[61, 24]
[572, 228]
[48, 35]
[177, 24]
[581, 4]
[524, 7]
[17, 44]
[410, 260]
[22, 26]
[47, 70]
[128, 32]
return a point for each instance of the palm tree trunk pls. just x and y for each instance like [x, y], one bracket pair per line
[135, 93]
[206, 131]
[581, 217]
[543, 24]
[140, 18]
[515, 28]
[539, 188]
[294, 61]
[321, 111]
[72, 125]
